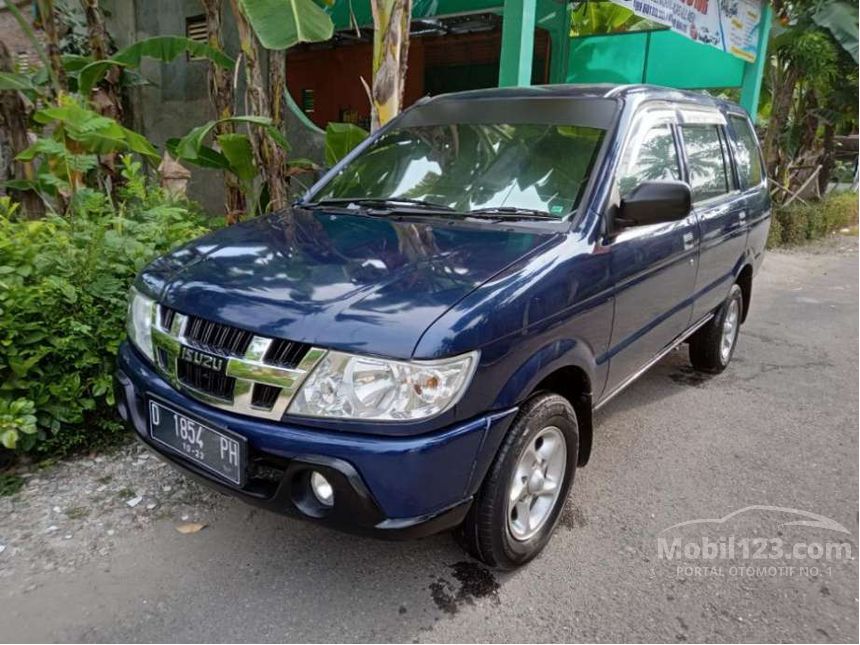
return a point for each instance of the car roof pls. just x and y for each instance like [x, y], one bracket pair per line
[638, 92]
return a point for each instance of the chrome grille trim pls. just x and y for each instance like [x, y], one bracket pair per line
[247, 369]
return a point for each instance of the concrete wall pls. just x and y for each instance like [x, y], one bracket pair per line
[178, 98]
[10, 33]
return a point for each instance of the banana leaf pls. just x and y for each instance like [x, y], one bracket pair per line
[280, 24]
[841, 20]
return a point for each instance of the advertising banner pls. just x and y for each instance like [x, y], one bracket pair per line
[729, 25]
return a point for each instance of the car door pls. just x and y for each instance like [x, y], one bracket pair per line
[653, 267]
[753, 182]
[719, 205]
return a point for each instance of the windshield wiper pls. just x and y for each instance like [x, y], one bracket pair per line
[511, 212]
[381, 202]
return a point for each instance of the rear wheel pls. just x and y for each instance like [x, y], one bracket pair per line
[518, 506]
[712, 347]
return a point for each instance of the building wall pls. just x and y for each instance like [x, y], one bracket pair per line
[12, 36]
[177, 99]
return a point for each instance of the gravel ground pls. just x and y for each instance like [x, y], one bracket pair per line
[77, 510]
[92, 552]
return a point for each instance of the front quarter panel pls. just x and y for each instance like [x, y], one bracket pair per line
[553, 310]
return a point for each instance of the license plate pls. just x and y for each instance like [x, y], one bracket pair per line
[217, 450]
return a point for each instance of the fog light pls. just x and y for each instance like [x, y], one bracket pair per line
[322, 489]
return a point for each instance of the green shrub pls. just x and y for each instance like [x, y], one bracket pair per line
[774, 234]
[840, 210]
[798, 223]
[63, 287]
[793, 225]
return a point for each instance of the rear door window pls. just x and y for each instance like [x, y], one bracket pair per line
[706, 161]
[746, 153]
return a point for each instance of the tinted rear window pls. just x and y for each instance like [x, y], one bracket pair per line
[706, 163]
[746, 152]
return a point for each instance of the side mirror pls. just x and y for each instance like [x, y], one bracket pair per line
[655, 202]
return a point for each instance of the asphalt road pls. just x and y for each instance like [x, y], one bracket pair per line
[778, 429]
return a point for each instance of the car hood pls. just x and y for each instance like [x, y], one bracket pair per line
[352, 282]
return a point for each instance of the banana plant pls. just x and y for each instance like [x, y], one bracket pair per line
[162, 48]
[84, 73]
[340, 139]
[391, 20]
[69, 155]
[277, 25]
[592, 17]
[233, 152]
[281, 24]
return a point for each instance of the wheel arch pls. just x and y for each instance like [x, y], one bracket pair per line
[573, 383]
[566, 367]
[744, 281]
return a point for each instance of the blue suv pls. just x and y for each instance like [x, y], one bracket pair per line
[420, 342]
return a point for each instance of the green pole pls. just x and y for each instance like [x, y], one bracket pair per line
[754, 72]
[555, 18]
[518, 35]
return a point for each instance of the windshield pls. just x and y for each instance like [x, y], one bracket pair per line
[469, 167]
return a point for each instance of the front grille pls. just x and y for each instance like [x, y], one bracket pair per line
[205, 380]
[167, 315]
[250, 383]
[264, 396]
[285, 353]
[216, 337]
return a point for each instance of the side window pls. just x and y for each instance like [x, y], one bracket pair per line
[651, 157]
[705, 160]
[746, 153]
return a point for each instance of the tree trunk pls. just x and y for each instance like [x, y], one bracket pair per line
[52, 42]
[96, 31]
[828, 159]
[783, 92]
[13, 140]
[390, 52]
[278, 102]
[270, 156]
[221, 92]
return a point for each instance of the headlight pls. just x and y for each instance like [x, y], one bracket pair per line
[346, 386]
[139, 321]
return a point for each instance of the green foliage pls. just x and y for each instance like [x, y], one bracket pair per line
[340, 139]
[841, 20]
[63, 286]
[192, 148]
[163, 48]
[69, 154]
[799, 223]
[16, 82]
[234, 153]
[280, 24]
[17, 418]
[595, 17]
[10, 484]
[8, 208]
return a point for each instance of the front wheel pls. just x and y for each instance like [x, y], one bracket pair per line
[518, 506]
[711, 347]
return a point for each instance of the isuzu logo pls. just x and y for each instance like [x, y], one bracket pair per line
[202, 359]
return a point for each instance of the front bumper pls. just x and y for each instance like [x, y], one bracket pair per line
[398, 487]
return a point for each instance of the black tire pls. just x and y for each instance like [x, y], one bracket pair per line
[706, 343]
[485, 533]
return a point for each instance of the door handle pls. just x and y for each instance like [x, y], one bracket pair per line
[689, 241]
[742, 215]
